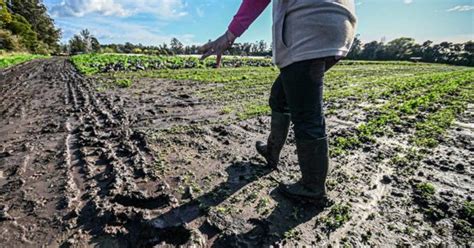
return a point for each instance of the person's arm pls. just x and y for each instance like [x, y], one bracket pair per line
[249, 11]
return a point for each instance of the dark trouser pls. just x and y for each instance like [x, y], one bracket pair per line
[298, 90]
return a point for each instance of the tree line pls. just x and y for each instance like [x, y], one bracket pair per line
[84, 42]
[407, 49]
[26, 26]
[176, 47]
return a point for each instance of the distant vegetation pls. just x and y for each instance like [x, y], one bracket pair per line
[8, 60]
[407, 48]
[95, 63]
[398, 49]
[176, 47]
[84, 42]
[25, 26]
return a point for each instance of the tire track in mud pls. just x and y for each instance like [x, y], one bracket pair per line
[29, 136]
[103, 181]
[107, 161]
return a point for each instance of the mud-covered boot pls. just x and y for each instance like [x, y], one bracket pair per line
[313, 157]
[279, 131]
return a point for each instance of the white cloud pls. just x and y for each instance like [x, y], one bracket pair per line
[164, 9]
[169, 9]
[112, 30]
[82, 7]
[199, 11]
[407, 1]
[461, 8]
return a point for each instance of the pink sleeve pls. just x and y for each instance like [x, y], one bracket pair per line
[248, 12]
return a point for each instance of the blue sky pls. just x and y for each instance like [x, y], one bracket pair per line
[153, 22]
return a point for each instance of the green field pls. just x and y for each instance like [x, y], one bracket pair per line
[8, 60]
[95, 63]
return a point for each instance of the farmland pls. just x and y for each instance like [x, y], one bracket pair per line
[7, 60]
[142, 150]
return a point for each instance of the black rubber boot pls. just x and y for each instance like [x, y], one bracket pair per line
[313, 159]
[279, 131]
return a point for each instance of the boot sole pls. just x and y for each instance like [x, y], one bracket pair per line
[320, 202]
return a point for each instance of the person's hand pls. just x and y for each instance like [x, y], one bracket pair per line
[218, 47]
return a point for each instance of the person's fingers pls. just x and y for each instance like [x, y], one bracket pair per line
[218, 60]
[205, 47]
[204, 56]
[207, 53]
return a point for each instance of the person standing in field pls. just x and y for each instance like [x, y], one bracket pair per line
[309, 37]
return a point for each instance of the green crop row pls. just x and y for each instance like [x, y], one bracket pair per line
[430, 109]
[429, 132]
[101, 63]
[427, 103]
[14, 59]
[355, 81]
[90, 64]
[245, 90]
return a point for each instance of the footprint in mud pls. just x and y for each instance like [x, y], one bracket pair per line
[166, 235]
[184, 96]
[140, 200]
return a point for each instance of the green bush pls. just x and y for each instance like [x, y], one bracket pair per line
[5, 16]
[10, 42]
[42, 49]
[20, 26]
[107, 50]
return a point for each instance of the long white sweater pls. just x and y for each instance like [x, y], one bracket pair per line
[310, 29]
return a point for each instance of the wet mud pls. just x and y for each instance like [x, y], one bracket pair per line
[155, 165]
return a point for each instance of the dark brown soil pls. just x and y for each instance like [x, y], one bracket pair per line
[154, 165]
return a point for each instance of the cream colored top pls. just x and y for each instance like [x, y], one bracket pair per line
[310, 29]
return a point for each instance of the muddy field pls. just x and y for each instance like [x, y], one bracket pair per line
[157, 164]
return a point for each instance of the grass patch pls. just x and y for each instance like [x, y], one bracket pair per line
[252, 110]
[467, 210]
[338, 215]
[426, 189]
[14, 59]
[124, 82]
[292, 234]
